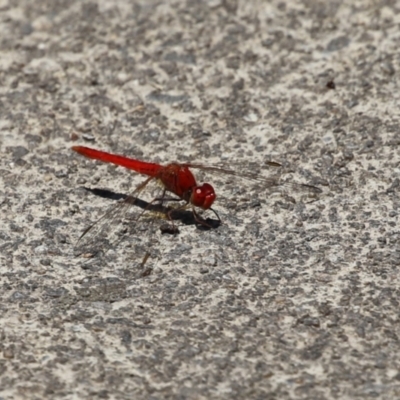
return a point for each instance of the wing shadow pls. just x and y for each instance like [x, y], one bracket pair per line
[186, 217]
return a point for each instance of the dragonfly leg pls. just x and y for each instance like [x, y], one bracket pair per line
[173, 230]
[162, 198]
[216, 214]
[169, 213]
[196, 216]
[201, 220]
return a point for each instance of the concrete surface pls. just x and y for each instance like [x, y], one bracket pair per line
[291, 297]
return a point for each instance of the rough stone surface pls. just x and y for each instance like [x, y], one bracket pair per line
[291, 297]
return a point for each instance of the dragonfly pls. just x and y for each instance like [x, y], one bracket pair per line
[176, 178]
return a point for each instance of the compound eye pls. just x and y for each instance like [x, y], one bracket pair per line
[203, 196]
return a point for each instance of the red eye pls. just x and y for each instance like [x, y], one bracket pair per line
[203, 196]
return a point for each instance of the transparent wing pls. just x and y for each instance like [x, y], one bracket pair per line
[267, 182]
[107, 231]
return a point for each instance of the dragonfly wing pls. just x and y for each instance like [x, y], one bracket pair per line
[105, 232]
[267, 182]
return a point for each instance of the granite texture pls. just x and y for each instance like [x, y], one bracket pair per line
[293, 296]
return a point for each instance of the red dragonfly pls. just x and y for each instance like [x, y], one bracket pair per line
[175, 178]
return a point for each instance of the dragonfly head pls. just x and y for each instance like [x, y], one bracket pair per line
[203, 196]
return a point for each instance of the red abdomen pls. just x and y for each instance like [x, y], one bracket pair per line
[142, 167]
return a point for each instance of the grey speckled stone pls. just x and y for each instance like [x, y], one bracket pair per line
[292, 297]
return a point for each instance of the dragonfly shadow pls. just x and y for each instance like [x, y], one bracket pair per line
[186, 217]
